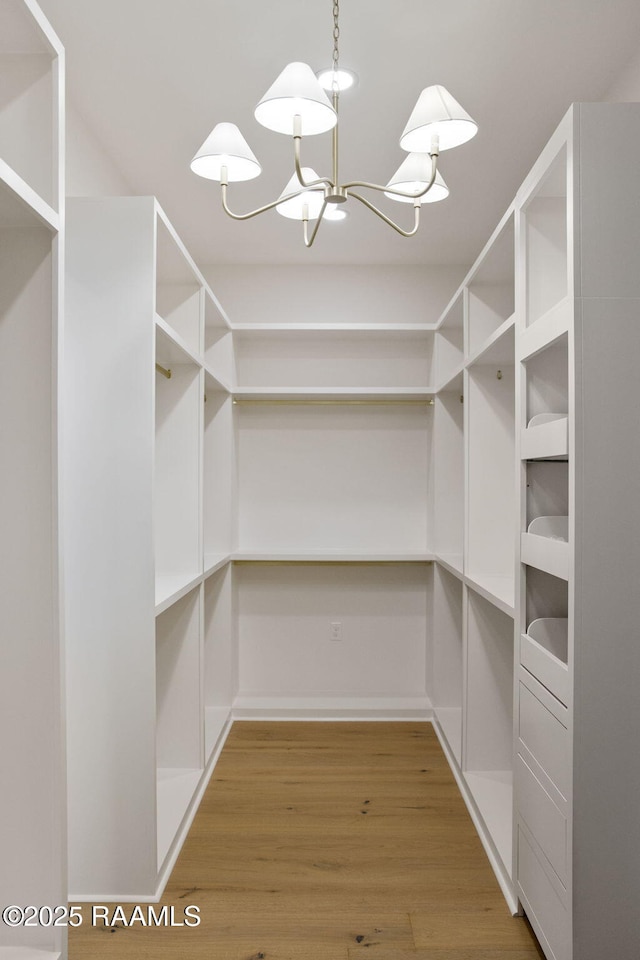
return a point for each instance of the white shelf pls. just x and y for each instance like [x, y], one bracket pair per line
[454, 380]
[19, 203]
[499, 591]
[546, 437]
[172, 587]
[337, 394]
[386, 330]
[173, 348]
[31, 109]
[214, 562]
[490, 288]
[492, 791]
[549, 328]
[545, 546]
[179, 285]
[450, 341]
[453, 562]
[330, 556]
[215, 382]
[497, 348]
[176, 788]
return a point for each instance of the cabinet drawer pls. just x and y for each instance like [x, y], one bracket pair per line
[542, 902]
[544, 820]
[546, 667]
[546, 554]
[545, 738]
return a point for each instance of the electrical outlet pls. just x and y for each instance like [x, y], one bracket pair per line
[335, 630]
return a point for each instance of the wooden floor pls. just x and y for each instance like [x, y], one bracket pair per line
[328, 841]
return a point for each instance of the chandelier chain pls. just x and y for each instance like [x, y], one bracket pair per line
[336, 34]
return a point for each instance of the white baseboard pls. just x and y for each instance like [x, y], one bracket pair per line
[259, 707]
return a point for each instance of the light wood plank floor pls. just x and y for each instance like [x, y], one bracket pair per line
[328, 841]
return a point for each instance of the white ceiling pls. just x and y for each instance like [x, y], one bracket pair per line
[152, 77]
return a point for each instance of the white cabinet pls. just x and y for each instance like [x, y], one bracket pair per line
[549, 387]
[577, 346]
[150, 665]
[32, 826]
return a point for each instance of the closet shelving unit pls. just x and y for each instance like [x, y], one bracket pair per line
[300, 492]
[474, 543]
[577, 710]
[333, 437]
[149, 471]
[32, 833]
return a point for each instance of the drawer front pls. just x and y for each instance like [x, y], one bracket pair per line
[546, 823]
[542, 902]
[545, 667]
[545, 738]
[546, 554]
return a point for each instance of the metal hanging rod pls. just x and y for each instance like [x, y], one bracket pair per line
[336, 401]
[164, 371]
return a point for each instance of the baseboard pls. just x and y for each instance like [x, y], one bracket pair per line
[259, 707]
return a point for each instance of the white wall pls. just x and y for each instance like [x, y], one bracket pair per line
[627, 84]
[90, 170]
[334, 294]
[288, 659]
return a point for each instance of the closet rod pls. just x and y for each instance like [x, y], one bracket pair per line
[164, 371]
[333, 401]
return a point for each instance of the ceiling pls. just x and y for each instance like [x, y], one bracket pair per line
[152, 77]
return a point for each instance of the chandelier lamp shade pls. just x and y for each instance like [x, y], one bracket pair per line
[297, 105]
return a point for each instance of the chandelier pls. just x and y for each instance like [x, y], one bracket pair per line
[297, 105]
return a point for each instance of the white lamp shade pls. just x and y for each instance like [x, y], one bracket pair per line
[437, 112]
[312, 198]
[226, 147]
[296, 91]
[413, 175]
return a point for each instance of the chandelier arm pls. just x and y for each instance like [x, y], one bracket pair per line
[305, 224]
[398, 193]
[297, 139]
[383, 216]
[254, 213]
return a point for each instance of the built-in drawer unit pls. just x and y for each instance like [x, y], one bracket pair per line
[542, 899]
[543, 736]
[546, 822]
[543, 652]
